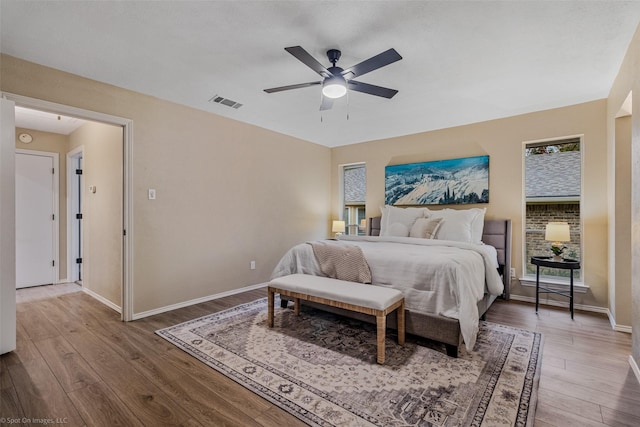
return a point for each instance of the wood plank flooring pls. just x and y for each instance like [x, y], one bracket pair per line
[78, 364]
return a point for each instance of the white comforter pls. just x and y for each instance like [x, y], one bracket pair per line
[436, 276]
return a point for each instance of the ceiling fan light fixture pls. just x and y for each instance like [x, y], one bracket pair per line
[334, 87]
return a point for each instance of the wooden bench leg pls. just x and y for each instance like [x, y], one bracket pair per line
[381, 322]
[296, 306]
[401, 327]
[270, 307]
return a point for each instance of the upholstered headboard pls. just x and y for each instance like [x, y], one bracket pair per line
[496, 232]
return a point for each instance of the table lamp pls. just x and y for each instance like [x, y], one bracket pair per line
[557, 232]
[338, 228]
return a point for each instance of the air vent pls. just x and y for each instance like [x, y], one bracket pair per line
[225, 101]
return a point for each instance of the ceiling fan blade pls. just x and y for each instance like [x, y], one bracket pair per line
[385, 58]
[326, 103]
[308, 60]
[298, 86]
[372, 89]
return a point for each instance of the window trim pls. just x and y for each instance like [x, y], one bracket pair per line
[341, 169]
[524, 277]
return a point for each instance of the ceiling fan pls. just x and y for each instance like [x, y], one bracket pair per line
[335, 80]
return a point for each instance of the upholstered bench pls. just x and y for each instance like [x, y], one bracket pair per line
[369, 299]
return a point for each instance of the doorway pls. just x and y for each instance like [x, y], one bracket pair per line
[96, 241]
[125, 232]
[74, 214]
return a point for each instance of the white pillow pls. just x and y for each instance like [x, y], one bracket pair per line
[425, 228]
[398, 229]
[464, 225]
[477, 225]
[404, 216]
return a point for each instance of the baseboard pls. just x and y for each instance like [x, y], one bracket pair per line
[591, 308]
[634, 367]
[102, 300]
[564, 304]
[171, 307]
[615, 326]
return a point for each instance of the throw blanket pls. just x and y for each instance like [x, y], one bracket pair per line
[344, 262]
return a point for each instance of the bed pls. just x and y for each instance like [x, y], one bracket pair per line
[422, 320]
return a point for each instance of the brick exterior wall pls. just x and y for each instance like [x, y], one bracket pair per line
[537, 217]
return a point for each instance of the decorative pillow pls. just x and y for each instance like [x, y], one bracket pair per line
[404, 216]
[464, 225]
[425, 228]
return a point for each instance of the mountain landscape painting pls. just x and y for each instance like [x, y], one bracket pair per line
[441, 182]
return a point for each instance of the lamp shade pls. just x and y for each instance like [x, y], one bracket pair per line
[337, 227]
[334, 87]
[557, 232]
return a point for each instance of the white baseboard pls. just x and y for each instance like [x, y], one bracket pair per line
[171, 307]
[615, 326]
[102, 300]
[564, 304]
[634, 367]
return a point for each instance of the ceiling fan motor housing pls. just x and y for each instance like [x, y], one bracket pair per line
[335, 70]
[333, 55]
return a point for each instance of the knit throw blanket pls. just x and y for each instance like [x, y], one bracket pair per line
[341, 261]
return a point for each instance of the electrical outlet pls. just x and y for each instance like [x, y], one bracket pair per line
[513, 272]
[152, 194]
[253, 265]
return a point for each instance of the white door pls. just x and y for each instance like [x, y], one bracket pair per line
[7, 227]
[34, 220]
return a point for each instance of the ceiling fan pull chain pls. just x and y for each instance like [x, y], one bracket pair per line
[347, 105]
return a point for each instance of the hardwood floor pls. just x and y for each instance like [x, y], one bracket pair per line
[78, 364]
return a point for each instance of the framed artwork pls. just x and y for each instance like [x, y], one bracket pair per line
[441, 182]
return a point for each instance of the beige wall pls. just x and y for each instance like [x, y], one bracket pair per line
[54, 143]
[620, 285]
[502, 141]
[227, 192]
[628, 81]
[102, 245]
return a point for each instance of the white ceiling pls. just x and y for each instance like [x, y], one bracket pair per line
[46, 122]
[463, 61]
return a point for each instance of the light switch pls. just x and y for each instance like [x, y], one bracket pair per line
[152, 194]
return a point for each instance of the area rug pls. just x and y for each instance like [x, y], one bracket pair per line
[322, 369]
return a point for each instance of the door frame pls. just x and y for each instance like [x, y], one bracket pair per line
[127, 205]
[56, 208]
[72, 156]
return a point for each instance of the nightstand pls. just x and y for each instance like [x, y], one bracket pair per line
[564, 263]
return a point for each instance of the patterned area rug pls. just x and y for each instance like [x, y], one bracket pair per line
[322, 369]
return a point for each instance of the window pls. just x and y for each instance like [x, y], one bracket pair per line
[354, 193]
[553, 178]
